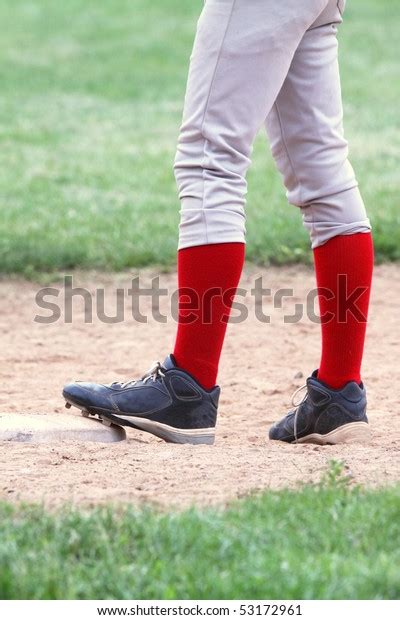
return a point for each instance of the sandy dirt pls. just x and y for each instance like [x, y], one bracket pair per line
[262, 365]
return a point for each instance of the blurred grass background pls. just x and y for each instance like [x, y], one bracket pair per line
[90, 106]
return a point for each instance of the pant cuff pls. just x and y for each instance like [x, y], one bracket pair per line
[208, 226]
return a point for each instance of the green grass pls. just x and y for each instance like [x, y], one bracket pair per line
[317, 542]
[90, 106]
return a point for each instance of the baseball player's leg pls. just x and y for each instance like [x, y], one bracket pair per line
[241, 56]
[242, 53]
[306, 133]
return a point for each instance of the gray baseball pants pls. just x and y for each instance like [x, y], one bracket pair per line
[272, 62]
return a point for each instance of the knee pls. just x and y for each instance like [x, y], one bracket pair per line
[312, 165]
[212, 195]
[210, 177]
[322, 183]
[318, 176]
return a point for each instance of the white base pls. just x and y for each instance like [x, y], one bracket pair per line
[48, 428]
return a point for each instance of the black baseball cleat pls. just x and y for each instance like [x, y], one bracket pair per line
[325, 416]
[167, 402]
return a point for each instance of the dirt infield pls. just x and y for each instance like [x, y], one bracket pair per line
[261, 366]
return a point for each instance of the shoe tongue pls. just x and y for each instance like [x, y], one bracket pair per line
[318, 392]
[169, 362]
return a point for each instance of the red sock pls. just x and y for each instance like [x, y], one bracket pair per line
[203, 315]
[343, 268]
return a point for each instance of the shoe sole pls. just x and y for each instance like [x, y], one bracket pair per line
[163, 431]
[354, 432]
[170, 433]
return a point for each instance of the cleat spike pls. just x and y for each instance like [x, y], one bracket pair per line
[68, 405]
[106, 421]
[85, 413]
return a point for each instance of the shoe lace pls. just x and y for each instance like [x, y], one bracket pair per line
[297, 404]
[155, 372]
